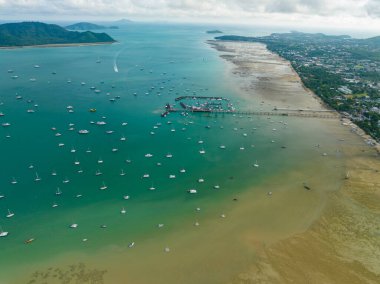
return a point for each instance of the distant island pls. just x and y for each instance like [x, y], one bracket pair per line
[344, 72]
[214, 32]
[85, 26]
[36, 33]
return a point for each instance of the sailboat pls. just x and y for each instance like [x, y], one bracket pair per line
[58, 192]
[122, 173]
[256, 165]
[103, 187]
[37, 177]
[10, 214]
[123, 211]
[14, 181]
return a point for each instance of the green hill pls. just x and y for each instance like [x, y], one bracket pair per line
[36, 33]
[84, 26]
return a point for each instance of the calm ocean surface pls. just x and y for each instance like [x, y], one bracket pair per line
[155, 64]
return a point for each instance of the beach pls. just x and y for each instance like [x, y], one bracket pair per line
[342, 245]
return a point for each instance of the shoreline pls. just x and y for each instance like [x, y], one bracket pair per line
[55, 45]
[369, 140]
[342, 244]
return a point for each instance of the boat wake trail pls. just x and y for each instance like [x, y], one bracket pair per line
[115, 67]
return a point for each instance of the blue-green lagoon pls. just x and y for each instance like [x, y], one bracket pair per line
[136, 229]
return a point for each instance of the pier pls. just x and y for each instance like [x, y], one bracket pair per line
[212, 108]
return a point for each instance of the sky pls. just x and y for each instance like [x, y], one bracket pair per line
[355, 14]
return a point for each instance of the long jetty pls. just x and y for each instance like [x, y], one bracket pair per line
[304, 113]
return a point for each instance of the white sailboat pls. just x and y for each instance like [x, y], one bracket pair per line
[103, 187]
[37, 177]
[10, 214]
[3, 233]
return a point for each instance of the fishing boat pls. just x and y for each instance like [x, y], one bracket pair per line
[29, 241]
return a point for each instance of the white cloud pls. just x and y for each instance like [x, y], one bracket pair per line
[329, 11]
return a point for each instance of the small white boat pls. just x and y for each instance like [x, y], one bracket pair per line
[66, 180]
[201, 180]
[2, 196]
[148, 155]
[10, 214]
[202, 151]
[256, 165]
[242, 148]
[58, 191]
[160, 225]
[103, 187]
[131, 245]
[182, 171]
[115, 149]
[100, 161]
[169, 156]
[192, 191]
[122, 173]
[37, 178]
[73, 150]
[126, 197]
[123, 211]
[88, 151]
[76, 162]
[123, 138]
[83, 131]
[146, 176]
[74, 226]
[222, 147]
[124, 123]
[3, 233]
[200, 142]
[171, 176]
[216, 186]
[55, 205]
[61, 144]
[54, 173]
[14, 181]
[152, 188]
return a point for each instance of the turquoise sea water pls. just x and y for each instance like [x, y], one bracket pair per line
[155, 64]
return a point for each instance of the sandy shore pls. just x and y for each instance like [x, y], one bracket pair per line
[55, 45]
[343, 244]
